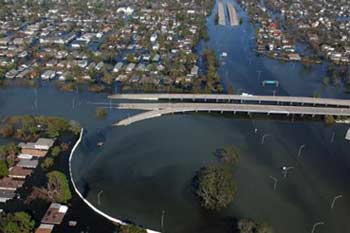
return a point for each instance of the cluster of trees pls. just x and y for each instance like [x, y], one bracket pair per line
[101, 113]
[8, 153]
[29, 128]
[131, 229]
[213, 79]
[250, 226]
[19, 222]
[214, 185]
[57, 189]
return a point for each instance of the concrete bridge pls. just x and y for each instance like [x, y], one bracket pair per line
[247, 99]
[159, 109]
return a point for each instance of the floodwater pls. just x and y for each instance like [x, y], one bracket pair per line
[147, 167]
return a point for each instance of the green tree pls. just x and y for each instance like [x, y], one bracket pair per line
[4, 170]
[101, 113]
[19, 222]
[250, 226]
[47, 163]
[58, 187]
[56, 150]
[215, 187]
[228, 155]
[329, 120]
[131, 229]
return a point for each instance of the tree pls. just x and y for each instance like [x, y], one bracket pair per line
[57, 189]
[101, 113]
[19, 222]
[215, 187]
[131, 229]
[56, 150]
[47, 163]
[250, 226]
[329, 120]
[58, 186]
[4, 170]
[228, 155]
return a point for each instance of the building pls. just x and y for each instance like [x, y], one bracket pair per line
[38, 148]
[49, 74]
[26, 163]
[55, 214]
[6, 195]
[10, 184]
[45, 228]
[17, 172]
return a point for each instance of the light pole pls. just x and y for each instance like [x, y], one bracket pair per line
[99, 197]
[333, 137]
[300, 150]
[263, 138]
[285, 170]
[162, 221]
[335, 199]
[316, 225]
[275, 180]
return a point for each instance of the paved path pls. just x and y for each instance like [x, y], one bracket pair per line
[159, 109]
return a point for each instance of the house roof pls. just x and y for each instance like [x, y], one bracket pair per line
[6, 195]
[44, 228]
[28, 163]
[8, 183]
[55, 214]
[17, 172]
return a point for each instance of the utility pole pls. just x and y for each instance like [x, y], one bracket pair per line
[333, 137]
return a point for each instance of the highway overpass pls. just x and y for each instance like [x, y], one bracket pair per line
[247, 99]
[159, 109]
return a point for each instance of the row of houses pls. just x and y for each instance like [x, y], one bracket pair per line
[25, 163]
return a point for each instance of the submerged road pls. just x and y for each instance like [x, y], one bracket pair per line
[159, 109]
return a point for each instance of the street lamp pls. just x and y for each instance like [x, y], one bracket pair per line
[316, 225]
[275, 180]
[335, 199]
[99, 197]
[263, 138]
[300, 150]
[285, 170]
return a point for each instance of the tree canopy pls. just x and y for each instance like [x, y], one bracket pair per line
[215, 187]
[4, 170]
[131, 229]
[19, 222]
[228, 155]
[250, 226]
[58, 187]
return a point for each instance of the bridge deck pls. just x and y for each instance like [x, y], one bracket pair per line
[246, 99]
[159, 109]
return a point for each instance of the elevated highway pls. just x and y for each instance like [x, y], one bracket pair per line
[246, 99]
[159, 109]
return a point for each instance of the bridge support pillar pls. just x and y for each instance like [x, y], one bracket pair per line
[222, 112]
[313, 115]
[234, 112]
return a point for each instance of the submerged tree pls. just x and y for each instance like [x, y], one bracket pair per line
[215, 187]
[250, 226]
